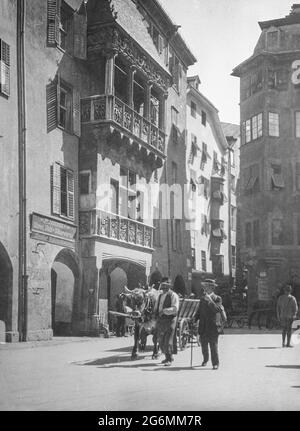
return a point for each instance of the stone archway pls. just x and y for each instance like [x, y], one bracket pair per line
[135, 274]
[6, 287]
[115, 274]
[65, 277]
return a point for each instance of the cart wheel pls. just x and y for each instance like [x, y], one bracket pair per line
[229, 323]
[184, 334]
[270, 323]
[240, 323]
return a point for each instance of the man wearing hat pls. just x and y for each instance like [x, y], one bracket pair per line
[210, 314]
[166, 310]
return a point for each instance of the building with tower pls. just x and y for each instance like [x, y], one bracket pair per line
[270, 159]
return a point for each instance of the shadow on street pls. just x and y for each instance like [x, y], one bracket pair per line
[129, 348]
[194, 368]
[292, 367]
[120, 349]
[115, 359]
[251, 348]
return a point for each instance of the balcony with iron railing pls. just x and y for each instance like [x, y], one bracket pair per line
[110, 109]
[104, 224]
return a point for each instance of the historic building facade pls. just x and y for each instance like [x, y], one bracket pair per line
[212, 168]
[270, 159]
[97, 89]
[171, 256]
[40, 129]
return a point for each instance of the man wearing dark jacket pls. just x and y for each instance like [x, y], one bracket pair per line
[210, 314]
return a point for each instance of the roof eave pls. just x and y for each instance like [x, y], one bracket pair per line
[288, 20]
[204, 99]
[185, 53]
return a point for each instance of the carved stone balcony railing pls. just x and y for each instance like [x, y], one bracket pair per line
[104, 108]
[115, 227]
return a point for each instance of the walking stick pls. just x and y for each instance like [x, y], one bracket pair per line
[192, 342]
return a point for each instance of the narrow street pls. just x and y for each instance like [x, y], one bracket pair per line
[97, 374]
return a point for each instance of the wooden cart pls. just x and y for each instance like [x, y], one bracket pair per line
[186, 324]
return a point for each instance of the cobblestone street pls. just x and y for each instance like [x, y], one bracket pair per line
[97, 374]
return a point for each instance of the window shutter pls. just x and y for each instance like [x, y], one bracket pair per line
[56, 188]
[166, 53]
[160, 44]
[191, 156]
[5, 68]
[76, 113]
[203, 224]
[80, 35]
[70, 190]
[52, 104]
[53, 22]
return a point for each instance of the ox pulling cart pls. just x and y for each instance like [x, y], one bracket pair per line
[186, 327]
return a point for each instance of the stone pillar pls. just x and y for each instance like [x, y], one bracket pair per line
[110, 73]
[132, 71]
[148, 100]
[162, 112]
[89, 293]
[148, 270]
[110, 83]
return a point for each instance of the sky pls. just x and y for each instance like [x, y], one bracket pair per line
[221, 34]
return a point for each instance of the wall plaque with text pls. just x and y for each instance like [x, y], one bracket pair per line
[51, 230]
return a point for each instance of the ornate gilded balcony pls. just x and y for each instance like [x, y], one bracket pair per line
[104, 109]
[111, 226]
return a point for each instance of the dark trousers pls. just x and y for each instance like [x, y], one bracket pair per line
[286, 330]
[120, 329]
[165, 329]
[212, 341]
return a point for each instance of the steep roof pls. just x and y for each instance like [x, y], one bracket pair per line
[292, 18]
[231, 129]
[129, 18]
[167, 26]
[213, 111]
[125, 14]
[288, 42]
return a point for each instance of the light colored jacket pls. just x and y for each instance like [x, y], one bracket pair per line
[287, 307]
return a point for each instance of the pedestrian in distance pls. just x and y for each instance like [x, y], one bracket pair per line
[212, 317]
[286, 309]
[165, 311]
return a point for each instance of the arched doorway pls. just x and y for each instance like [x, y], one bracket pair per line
[119, 273]
[64, 290]
[6, 282]
[118, 279]
[179, 285]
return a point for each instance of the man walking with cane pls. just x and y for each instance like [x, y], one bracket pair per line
[211, 316]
